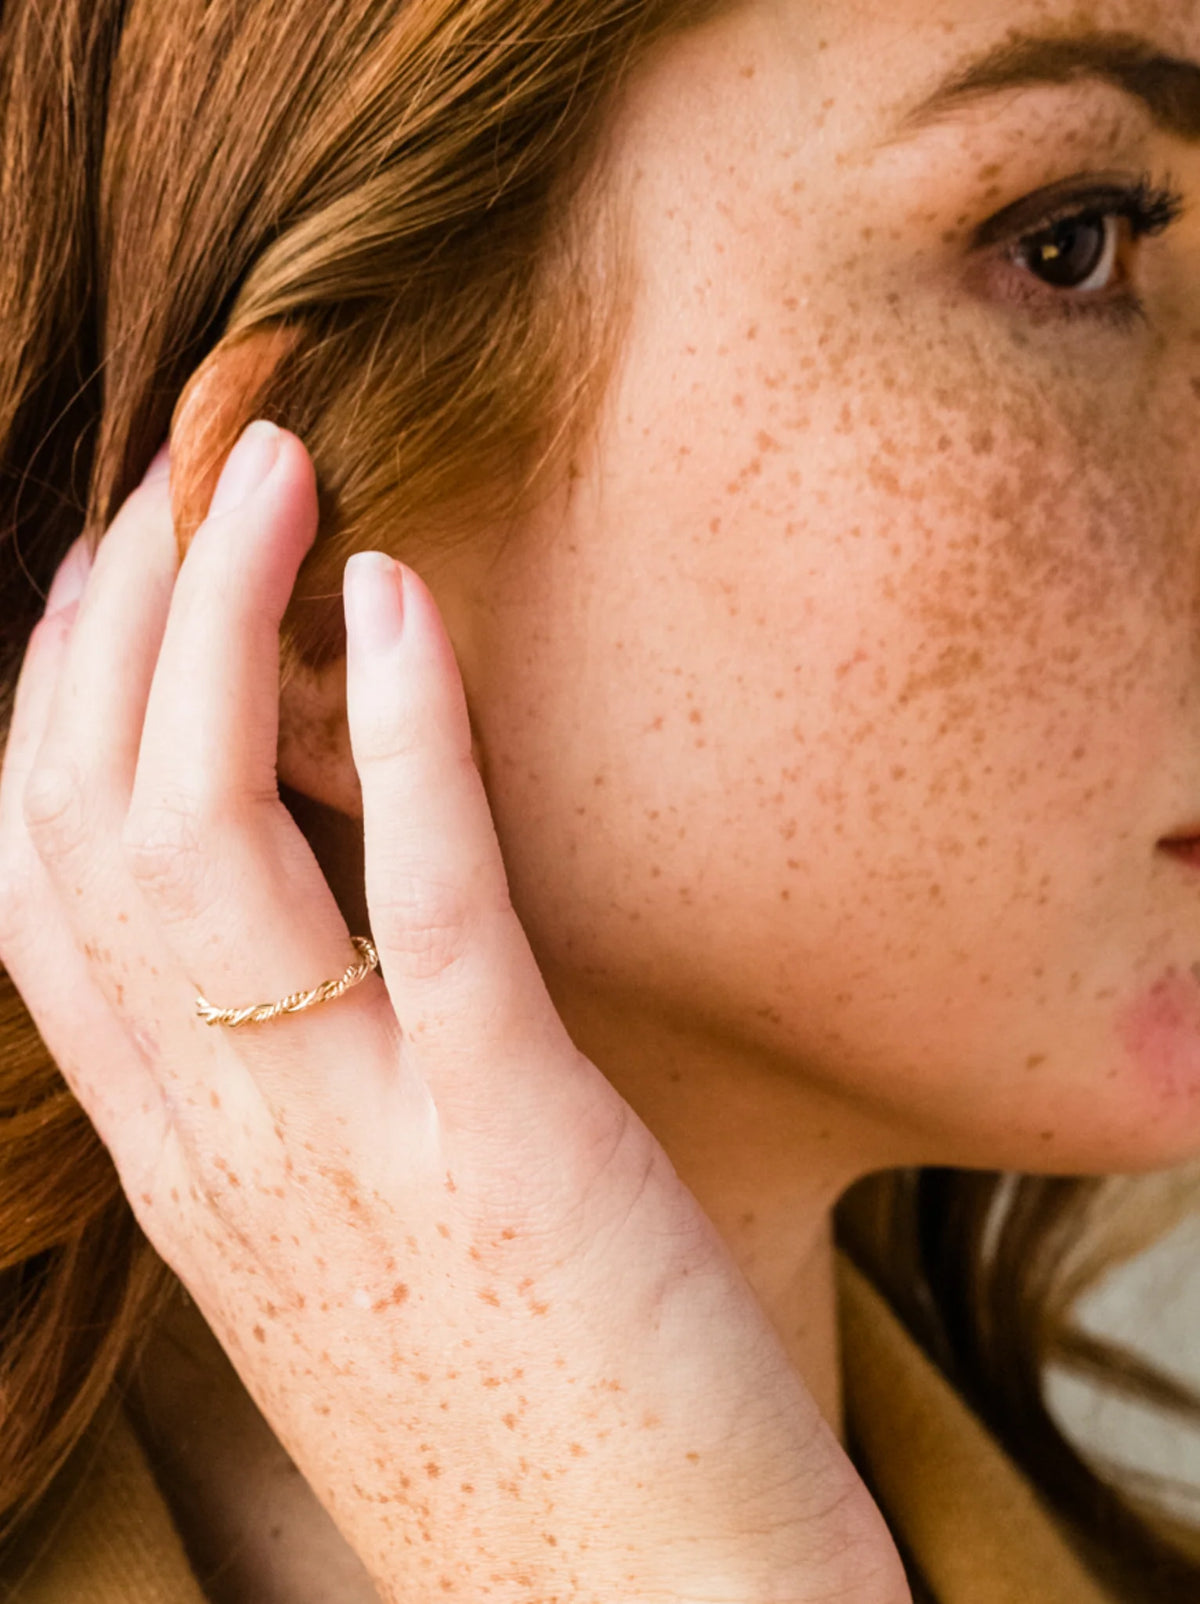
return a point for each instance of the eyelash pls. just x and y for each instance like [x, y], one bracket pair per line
[1147, 207]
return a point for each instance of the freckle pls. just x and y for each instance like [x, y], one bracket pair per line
[539, 1308]
[443, 1228]
[1196, 388]
[449, 1183]
[122, 918]
[259, 1334]
[398, 1295]
[214, 1099]
[466, 1487]
[694, 1457]
[432, 1470]
[1047, 1136]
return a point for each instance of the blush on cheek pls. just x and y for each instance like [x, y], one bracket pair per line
[1160, 1030]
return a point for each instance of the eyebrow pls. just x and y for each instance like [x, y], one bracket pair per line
[1167, 86]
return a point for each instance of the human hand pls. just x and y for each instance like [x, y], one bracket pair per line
[455, 1270]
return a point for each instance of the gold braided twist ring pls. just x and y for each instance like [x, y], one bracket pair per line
[296, 1001]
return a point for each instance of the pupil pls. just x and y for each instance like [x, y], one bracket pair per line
[1069, 252]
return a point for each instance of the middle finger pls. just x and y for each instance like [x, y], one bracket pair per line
[242, 899]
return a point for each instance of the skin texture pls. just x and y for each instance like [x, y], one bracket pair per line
[832, 716]
[857, 682]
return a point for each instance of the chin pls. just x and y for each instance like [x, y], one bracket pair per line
[1135, 1109]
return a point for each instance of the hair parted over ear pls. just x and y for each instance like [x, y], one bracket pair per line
[216, 405]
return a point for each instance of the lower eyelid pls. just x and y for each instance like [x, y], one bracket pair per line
[1146, 210]
[998, 278]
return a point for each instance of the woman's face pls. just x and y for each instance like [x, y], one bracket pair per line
[843, 706]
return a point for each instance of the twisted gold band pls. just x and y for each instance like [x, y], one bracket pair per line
[259, 1013]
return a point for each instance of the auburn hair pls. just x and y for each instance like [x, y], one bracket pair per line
[412, 207]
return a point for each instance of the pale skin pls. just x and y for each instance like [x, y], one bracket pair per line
[831, 724]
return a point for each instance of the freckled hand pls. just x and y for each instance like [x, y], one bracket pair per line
[459, 1276]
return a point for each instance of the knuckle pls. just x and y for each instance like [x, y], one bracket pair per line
[53, 808]
[424, 923]
[163, 852]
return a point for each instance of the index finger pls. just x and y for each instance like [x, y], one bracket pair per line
[459, 969]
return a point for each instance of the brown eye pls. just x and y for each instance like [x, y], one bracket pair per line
[1076, 253]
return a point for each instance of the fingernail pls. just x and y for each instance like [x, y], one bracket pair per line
[69, 581]
[374, 591]
[247, 465]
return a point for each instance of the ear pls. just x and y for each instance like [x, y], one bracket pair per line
[314, 739]
[220, 399]
[318, 782]
[315, 758]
